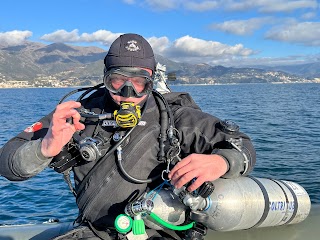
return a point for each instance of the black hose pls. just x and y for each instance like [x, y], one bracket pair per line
[163, 128]
[170, 114]
[73, 92]
[86, 89]
[133, 179]
[89, 90]
[119, 161]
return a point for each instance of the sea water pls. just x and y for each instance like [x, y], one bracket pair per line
[283, 121]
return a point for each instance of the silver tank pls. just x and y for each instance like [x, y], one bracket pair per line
[240, 203]
[245, 202]
[168, 207]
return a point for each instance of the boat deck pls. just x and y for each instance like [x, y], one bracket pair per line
[309, 229]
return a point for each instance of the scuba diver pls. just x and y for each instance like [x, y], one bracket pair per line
[122, 139]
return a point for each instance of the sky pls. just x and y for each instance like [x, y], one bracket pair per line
[218, 32]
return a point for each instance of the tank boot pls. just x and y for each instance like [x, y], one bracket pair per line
[197, 232]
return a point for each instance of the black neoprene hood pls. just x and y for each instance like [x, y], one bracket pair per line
[130, 50]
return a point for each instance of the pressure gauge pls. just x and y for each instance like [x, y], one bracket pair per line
[123, 223]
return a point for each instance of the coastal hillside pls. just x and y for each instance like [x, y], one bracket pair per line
[37, 64]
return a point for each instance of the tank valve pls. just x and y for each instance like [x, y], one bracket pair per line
[206, 189]
[139, 207]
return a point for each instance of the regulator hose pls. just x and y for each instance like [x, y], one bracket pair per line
[164, 122]
[73, 92]
[90, 89]
[134, 179]
[86, 89]
[171, 226]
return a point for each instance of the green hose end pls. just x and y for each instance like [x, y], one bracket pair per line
[138, 227]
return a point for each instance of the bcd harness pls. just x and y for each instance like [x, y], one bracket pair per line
[92, 149]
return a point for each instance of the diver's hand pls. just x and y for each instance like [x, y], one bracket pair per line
[60, 131]
[201, 167]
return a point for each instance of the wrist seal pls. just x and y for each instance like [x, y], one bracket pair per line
[235, 161]
[236, 157]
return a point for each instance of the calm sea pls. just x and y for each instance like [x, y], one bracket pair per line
[282, 120]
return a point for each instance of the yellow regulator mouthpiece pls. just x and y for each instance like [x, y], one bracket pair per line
[128, 115]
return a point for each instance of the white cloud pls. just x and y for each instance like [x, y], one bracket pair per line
[242, 27]
[309, 15]
[184, 48]
[159, 45]
[62, 36]
[13, 38]
[201, 6]
[305, 33]
[270, 5]
[163, 4]
[234, 5]
[197, 50]
[102, 36]
[287, 5]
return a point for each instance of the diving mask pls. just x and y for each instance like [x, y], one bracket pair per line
[128, 81]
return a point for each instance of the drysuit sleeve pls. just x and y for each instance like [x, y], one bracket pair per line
[21, 157]
[203, 133]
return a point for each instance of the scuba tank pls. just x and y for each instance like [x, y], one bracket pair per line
[234, 204]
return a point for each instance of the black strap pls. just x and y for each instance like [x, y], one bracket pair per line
[66, 177]
[266, 205]
[295, 201]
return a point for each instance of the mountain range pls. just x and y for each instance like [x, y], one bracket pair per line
[79, 65]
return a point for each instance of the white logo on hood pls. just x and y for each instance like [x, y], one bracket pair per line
[132, 46]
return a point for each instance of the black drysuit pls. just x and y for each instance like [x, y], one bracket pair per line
[105, 194]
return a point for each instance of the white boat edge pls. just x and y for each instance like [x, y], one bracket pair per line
[306, 230]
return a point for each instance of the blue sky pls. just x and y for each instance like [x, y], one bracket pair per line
[226, 32]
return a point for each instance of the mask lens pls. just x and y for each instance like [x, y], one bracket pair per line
[123, 80]
[117, 81]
